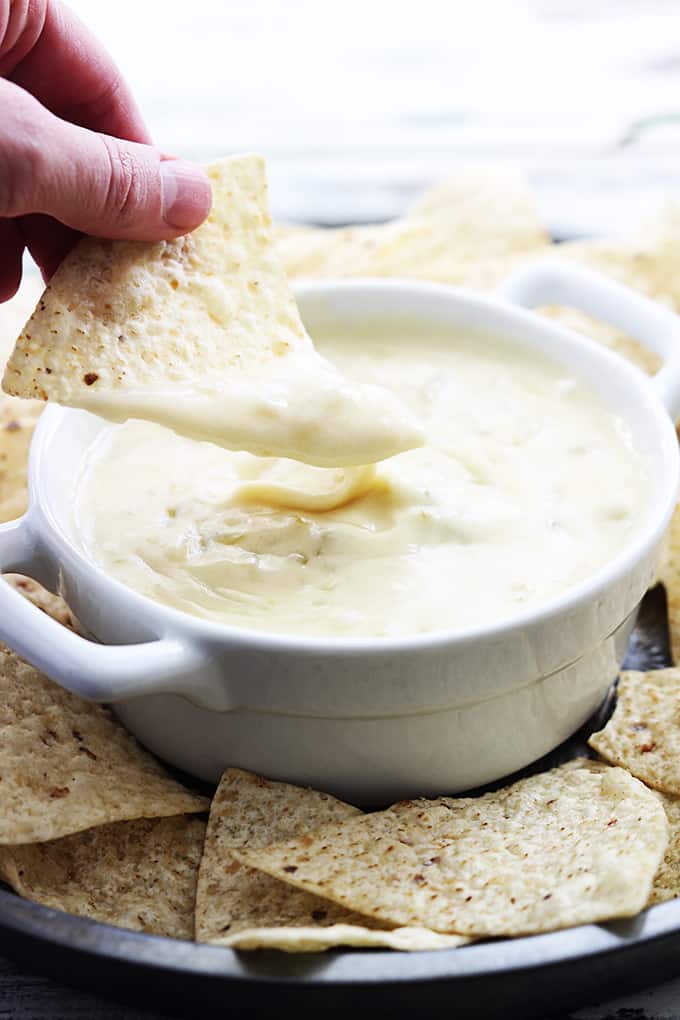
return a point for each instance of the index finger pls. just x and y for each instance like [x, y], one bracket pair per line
[48, 51]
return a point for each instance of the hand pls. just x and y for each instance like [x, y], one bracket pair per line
[63, 167]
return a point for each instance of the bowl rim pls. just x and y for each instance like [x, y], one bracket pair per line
[48, 528]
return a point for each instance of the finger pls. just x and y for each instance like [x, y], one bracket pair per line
[47, 240]
[11, 253]
[47, 50]
[91, 182]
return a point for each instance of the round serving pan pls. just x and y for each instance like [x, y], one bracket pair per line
[368, 719]
[531, 977]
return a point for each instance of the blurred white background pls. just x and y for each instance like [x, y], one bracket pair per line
[358, 104]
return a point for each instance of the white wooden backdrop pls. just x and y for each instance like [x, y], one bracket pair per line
[358, 103]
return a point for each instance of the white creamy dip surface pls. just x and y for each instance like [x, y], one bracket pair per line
[526, 485]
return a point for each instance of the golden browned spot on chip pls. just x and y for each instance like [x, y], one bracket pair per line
[89, 378]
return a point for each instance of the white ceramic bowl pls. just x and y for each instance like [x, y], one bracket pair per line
[368, 719]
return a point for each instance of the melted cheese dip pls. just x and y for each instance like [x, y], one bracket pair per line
[527, 485]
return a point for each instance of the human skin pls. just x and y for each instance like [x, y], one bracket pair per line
[75, 154]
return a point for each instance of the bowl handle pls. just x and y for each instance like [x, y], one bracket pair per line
[95, 671]
[657, 328]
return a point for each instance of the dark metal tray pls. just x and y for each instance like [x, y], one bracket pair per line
[525, 977]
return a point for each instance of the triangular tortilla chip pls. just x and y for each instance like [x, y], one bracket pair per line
[16, 432]
[45, 600]
[490, 209]
[17, 417]
[467, 230]
[138, 875]
[68, 765]
[669, 575]
[202, 334]
[478, 227]
[13, 315]
[245, 909]
[562, 848]
[667, 879]
[646, 262]
[643, 734]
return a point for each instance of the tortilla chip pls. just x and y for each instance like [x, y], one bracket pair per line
[416, 249]
[359, 934]
[570, 846]
[643, 734]
[491, 208]
[609, 336]
[450, 235]
[647, 261]
[667, 879]
[282, 232]
[138, 875]
[17, 417]
[121, 315]
[669, 575]
[68, 765]
[475, 230]
[16, 433]
[45, 600]
[246, 909]
[15, 312]
[421, 248]
[202, 334]
[648, 266]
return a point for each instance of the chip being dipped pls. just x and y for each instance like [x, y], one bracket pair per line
[202, 334]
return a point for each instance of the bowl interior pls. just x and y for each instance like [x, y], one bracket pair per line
[63, 436]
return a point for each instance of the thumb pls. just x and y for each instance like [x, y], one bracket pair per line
[93, 183]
